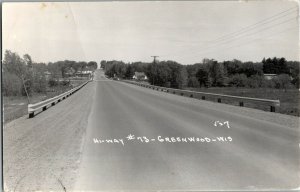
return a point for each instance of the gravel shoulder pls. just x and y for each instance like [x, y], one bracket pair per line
[43, 153]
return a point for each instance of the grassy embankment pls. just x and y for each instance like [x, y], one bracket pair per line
[16, 106]
[289, 100]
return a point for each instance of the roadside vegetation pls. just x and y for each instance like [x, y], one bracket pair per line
[25, 81]
[272, 78]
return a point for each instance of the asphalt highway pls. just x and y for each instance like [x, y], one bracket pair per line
[115, 136]
[141, 139]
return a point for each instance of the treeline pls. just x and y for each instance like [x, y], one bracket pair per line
[23, 77]
[211, 73]
[122, 70]
[164, 73]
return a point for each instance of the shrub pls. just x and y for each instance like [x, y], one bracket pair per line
[40, 84]
[11, 85]
[65, 83]
[282, 81]
[296, 81]
[268, 83]
[52, 82]
[237, 80]
[255, 81]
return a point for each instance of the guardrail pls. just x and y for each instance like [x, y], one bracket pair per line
[203, 95]
[43, 105]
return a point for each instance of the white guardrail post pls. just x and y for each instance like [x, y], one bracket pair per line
[203, 95]
[43, 105]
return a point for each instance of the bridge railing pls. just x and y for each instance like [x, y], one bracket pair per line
[43, 105]
[217, 97]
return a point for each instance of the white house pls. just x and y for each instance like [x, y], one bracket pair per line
[139, 76]
[269, 76]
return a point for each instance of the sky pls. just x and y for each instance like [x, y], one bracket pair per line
[182, 31]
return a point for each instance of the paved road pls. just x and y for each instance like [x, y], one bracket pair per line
[56, 150]
[257, 154]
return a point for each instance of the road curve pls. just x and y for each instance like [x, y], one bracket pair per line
[258, 154]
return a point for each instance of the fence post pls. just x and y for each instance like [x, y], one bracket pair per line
[31, 115]
[272, 108]
[30, 111]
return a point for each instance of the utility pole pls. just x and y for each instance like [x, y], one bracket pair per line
[154, 58]
[154, 61]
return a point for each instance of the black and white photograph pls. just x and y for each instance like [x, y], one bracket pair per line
[150, 96]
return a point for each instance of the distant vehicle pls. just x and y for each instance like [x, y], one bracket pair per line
[116, 78]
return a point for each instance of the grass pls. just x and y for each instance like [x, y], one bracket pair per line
[289, 99]
[16, 106]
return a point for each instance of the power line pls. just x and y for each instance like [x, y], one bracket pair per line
[260, 39]
[245, 35]
[260, 22]
[253, 40]
[263, 29]
[243, 32]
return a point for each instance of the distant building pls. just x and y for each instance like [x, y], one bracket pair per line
[84, 73]
[70, 72]
[270, 76]
[139, 76]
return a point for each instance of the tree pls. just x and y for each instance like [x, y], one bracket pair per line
[181, 77]
[152, 73]
[54, 69]
[193, 82]
[103, 64]
[296, 81]
[92, 65]
[282, 66]
[217, 74]
[193, 69]
[256, 81]
[16, 65]
[275, 65]
[232, 67]
[115, 68]
[139, 66]
[11, 84]
[39, 82]
[176, 74]
[129, 72]
[167, 73]
[28, 60]
[203, 76]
